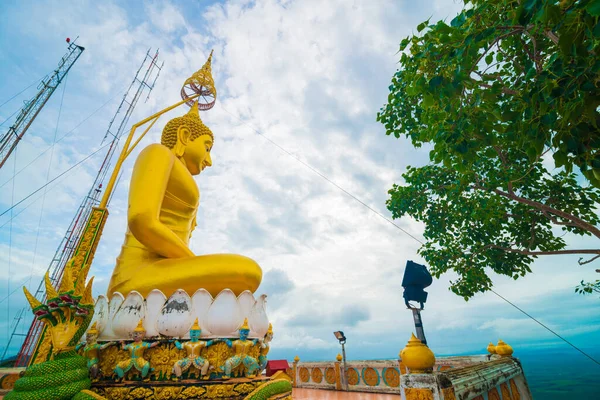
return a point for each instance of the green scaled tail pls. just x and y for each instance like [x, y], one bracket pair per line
[271, 388]
[59, 379]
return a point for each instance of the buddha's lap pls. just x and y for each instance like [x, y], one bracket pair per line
[213, 272]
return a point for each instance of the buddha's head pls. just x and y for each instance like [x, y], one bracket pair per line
[195, 331]
[190, 140]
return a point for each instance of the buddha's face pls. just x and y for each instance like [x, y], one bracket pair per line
[195, 334]
[196, 156]
[244, 334]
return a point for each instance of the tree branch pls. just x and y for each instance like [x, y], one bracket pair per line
[588, 261]
[543, 207]
[545, 253]
[552, 36]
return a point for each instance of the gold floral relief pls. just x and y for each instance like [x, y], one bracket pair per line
[418, 394]
[7, 382]
[109, 357]
[391, 377]
[330, 375]
[304, 374]
[316, 375]
[167, 392]
[244, 388]
[116, 392]
[217, 354]
[220, 391]
[139, 393]
[162, 358]
[371, 377]
[192, 392]
[352, 376]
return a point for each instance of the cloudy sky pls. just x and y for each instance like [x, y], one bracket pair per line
[308, 75]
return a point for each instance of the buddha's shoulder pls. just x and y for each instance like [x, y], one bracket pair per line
[156, 150]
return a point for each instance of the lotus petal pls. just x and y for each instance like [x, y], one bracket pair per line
[131, 311]
[246, 301]
[113, 307]
[176, 316]
[201, 301]
[258, 320]
[224, 315]
[100, 314]
[154, 304]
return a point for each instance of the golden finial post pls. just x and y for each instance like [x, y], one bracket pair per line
[417, 357]
[503, 349]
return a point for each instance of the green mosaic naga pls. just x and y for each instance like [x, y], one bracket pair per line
[66, 315]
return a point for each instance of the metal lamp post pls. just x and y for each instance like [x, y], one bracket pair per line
[339, 335]
[416, 278]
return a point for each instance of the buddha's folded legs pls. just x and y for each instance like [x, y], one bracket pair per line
[213, 272]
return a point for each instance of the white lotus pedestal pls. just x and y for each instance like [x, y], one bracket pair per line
[172, 318]
[167, 320]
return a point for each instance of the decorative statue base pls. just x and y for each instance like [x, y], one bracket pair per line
[176, 370]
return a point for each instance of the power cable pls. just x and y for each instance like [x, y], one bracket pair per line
[565, 340]
[53, 179]
[390, 221]
[62, 137]
[33, 83]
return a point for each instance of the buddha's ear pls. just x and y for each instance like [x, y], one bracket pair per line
[183, 138]
[183, 135]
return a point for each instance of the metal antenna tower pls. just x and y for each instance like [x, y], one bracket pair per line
[73, 234]
[33, 107]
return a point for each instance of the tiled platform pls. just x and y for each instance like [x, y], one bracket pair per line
[307, 394]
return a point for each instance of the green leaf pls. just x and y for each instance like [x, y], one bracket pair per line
[529, 4]
[427, 101]
[593, 7]
[436, 81]
[458, 20]
[421, 26]
[404, 43]
[489, 58]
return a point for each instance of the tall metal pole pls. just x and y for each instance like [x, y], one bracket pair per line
[344, 375]
[32, 108]
[419, 325]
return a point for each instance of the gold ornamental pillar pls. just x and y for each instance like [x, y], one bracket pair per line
[338, 372]
[295, 368]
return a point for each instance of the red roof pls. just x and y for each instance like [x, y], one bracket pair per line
[278, 365]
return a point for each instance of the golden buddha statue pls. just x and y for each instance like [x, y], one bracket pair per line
[163, 202]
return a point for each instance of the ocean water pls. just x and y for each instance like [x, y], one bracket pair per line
[561, 374]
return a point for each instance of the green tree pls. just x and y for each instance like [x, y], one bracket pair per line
[500, 89]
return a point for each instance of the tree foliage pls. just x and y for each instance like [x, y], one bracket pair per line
[497, 91]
